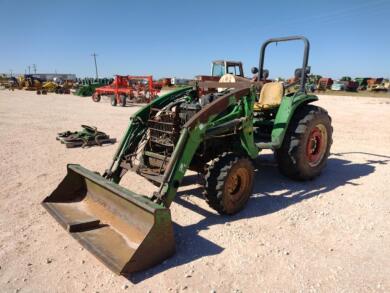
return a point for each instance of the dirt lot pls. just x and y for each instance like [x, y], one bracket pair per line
[330, 234]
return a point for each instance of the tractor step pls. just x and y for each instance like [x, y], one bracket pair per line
[157, 156]
[266, 145]
[152, 177]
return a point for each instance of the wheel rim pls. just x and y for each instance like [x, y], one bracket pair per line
[316, 145]
[236, 185]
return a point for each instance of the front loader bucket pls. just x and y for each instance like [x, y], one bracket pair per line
[126, 231]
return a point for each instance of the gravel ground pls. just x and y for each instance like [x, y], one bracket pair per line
[329, 234]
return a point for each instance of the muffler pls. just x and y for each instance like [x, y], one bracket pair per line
[126, 231]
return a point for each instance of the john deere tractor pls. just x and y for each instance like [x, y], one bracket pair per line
[217, 134]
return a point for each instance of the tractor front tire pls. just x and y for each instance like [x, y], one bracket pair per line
[113, 101]
[228, 183]
[306, 146]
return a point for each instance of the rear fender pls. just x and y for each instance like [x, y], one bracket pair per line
[283, 117]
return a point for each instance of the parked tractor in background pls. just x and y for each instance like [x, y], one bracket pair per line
[376, 85]
[86, 87]
[349, 84]
[48, 87]
[229, 69]
[386, 83]
[4, 81]
[218, 134]
[362, 83]
[31, 83]
[222, 67]
[65, 86]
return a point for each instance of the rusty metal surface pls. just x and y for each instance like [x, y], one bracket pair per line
[207, 77]
[242, 83]
[125, 231]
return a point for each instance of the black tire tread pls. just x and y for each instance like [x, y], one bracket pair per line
[96, 98]
[288, 155]
[215, 178]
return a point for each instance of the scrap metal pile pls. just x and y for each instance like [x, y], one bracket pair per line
[88, 136]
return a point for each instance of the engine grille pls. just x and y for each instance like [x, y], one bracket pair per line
[164, 128]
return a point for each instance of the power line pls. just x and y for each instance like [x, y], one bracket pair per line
[336, 14]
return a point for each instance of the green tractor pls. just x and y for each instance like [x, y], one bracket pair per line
[86, 87]
[218, 134]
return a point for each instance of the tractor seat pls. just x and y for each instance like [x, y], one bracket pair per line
[270, 96]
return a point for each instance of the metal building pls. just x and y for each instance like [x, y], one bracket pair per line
[51, 76]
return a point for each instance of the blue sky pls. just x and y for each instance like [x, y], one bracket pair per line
[181, 38]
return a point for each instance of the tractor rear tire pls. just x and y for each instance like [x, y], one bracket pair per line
[306, 146]
[113, 101]
[228, 183]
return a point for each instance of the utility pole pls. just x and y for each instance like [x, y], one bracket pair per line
[29, 69]
[96, 70]
[10, 72]
[35, 68]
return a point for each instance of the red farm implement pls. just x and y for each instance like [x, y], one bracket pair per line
[324, 83]
[138, 89]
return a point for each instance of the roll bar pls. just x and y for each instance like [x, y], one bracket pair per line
[285, 39]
